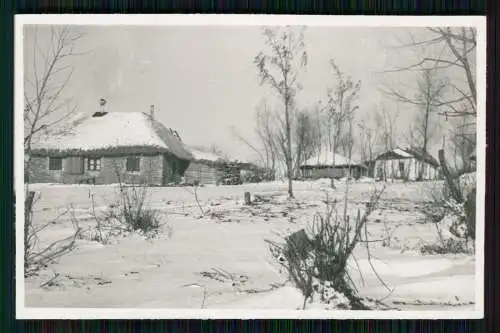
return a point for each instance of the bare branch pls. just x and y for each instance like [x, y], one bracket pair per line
[43, 105]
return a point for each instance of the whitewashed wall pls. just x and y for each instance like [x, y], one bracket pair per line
[391, 169]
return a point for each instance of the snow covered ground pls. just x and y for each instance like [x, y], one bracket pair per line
[221, 260]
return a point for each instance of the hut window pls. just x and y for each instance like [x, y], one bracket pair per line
[94, 164]
[133, 164]
[55, 163]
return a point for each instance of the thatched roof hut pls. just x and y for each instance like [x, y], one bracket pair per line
[114, 133]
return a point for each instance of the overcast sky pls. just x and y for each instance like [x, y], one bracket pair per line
[202, 79]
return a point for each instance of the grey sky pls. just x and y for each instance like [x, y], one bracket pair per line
[202, 79]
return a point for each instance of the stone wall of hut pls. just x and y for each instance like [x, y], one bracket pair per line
[111, 170]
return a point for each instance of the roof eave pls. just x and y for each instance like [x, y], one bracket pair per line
[109, 151]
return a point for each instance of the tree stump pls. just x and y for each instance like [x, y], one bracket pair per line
[248, 200]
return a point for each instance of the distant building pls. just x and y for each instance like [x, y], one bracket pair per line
[107, 147]
[406, 164]
[321, 166]
[206, 168]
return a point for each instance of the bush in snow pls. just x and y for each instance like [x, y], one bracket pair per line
[134, 213]
[129, 213]
[318, 259]
[327, 295]
[450, 245]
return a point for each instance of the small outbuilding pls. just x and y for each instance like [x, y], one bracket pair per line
[205, 168]
[321, 166]
[406, 164]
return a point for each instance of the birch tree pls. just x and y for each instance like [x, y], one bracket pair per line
[279, 68]
[340, 108]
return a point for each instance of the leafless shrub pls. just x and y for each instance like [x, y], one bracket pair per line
[320, 260]
[133, 212]
[194, 192]
[461, 204]
[36, 257]
[450, 245]
[457, 217]
[388, 233]
[130, 213]
[453, 210]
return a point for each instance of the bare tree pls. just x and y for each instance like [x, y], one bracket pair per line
[386, 122]
[279, 69]
[306, 138]
[320, 130]
[340, 107]
[346, 141]
[45, 105]
[463, 141]
[430, 91]
[242, 139]
[281, 139]
[452, 52]
[45, 111]
[266, 132]
[449, 50]
[369, 141]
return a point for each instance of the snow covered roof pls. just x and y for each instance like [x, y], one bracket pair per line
[325, 158]
[396, 153]
[401, 152]
[411, 152]
[127, 132]
[203, 155]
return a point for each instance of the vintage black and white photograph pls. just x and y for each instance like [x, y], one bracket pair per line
[249, 166]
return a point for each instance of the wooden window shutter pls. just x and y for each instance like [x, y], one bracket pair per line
[133, 164]
[74, 165]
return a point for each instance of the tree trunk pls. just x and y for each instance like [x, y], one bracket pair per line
[454, 189]
[334, 148]
[470, 210]
[289, 148]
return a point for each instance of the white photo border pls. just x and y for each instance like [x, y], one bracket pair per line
[22, 312]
